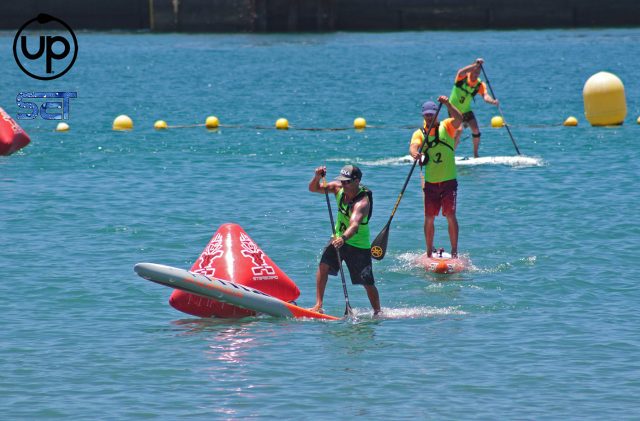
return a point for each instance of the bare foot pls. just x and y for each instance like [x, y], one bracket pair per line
[317, 309]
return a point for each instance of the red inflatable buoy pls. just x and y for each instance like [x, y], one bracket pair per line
[232, 255]
[12, 137]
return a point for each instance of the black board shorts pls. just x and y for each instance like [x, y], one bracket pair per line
[468, 116]
[358, 262]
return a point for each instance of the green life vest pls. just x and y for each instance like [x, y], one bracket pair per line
[440, 156]
[462, 94]
[362, 238]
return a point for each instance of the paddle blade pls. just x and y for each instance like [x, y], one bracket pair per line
[379, 245]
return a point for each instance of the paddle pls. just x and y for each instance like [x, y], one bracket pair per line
[500, 110]
[379, 245]
[347, 310]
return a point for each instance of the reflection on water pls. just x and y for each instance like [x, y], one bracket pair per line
[230, 345]
[198, 325]
[231, 339]
[233, 352]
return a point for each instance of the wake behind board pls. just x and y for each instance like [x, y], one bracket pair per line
[464, 161]
[513, 161]
[441, 262]
[224, 291]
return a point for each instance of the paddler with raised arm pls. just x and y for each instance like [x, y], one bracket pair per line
[355, 205]
[466, 86]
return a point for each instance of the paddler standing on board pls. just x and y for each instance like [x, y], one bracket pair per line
[466, 86]
[355, 205]
[440, 185]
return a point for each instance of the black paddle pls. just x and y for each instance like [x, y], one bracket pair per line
[379, 245]
[500, 110]
[347, 310]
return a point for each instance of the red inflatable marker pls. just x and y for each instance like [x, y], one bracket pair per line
[232, 255]
[12, 137]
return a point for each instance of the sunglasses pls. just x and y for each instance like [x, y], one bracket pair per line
[344, 182]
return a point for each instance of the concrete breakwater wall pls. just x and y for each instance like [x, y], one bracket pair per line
[325, 15]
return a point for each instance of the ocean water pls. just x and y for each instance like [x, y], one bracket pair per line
[543, 326]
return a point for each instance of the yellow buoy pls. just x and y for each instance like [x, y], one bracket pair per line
[497, 121]
[160, 124]
[212, 122]
[604, 102]
[122, 122]
[570, 121]
[62, 127]
[359, 123]
[638, 120]
[282, 124]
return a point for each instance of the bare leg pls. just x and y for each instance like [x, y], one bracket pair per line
[475, 136]
[374, 297]
[453, 234]
[429, 232]
[321, 282]
[476, 146]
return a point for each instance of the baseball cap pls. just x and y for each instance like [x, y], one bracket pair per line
[349, 172]
[429, 108]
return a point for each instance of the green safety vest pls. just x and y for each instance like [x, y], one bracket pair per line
[462, 94]
[362, 238]
[440, 156]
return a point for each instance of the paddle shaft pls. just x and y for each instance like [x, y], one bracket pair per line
[347, 310]
[500, 110]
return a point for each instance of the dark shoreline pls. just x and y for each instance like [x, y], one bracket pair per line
[267, 16]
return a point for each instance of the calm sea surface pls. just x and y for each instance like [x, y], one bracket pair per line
[544, 326]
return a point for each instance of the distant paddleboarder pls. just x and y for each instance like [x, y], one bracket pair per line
[355, 205]
[466, 86]
[440, 184]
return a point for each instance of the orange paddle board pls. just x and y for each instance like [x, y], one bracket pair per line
[441, 262]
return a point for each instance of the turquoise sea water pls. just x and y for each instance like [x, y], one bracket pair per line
[544, 326]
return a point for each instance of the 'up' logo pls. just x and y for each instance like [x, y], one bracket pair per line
[49, 38]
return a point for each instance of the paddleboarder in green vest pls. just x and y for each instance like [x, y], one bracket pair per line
[466, 86]
[440, 185]
[355, 205]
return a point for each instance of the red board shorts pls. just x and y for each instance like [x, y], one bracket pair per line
[440, 195]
